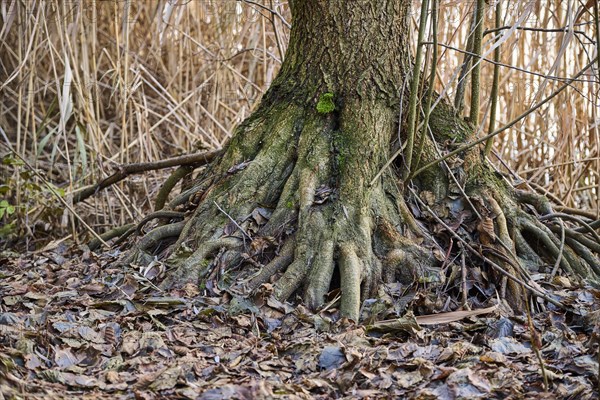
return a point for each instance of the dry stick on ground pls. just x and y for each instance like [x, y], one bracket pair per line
[463, 269]
[536, 343]
[197, 160]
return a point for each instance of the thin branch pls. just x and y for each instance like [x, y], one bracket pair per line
[510, 124]
[233, 221]
[525, 71]
[272, 11]
[197, 160]
[544, 30]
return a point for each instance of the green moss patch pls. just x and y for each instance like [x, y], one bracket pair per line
[326, 104]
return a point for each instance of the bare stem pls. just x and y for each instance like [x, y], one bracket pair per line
[414, 89]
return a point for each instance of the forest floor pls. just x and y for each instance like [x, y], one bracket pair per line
[73, 326]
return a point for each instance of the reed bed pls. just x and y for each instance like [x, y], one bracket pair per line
[88, 85]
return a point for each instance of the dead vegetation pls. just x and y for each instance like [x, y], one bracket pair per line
[73, 326]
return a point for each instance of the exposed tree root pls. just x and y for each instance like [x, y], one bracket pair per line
[290, 201]
[318, 237]
[151, 240]
[125, 231]
[106, 236]
[169, 184]
[326, 238]
[162, 214]
[197, 264]
[306, 195]
[276, 265]
[333, 229]
[523, 244]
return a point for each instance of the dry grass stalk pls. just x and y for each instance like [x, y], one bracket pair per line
[86, 85]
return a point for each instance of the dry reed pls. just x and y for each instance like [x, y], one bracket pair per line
[87, 85]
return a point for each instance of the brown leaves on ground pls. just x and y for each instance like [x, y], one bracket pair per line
[71, 325]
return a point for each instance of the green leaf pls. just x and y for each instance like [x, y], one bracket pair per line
[6, 208]
[8, 160]
[6, 230]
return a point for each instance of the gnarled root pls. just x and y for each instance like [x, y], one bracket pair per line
[317, 238]
[517, 244]
[529, 246]
[338, 236]
[532, 246]
[296, 196]
[551, 239]
[291, 200]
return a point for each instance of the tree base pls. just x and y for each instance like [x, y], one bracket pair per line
[291, 202]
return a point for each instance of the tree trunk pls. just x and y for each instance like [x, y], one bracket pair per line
[295, 193]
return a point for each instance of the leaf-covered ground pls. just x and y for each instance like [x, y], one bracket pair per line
[72, 325]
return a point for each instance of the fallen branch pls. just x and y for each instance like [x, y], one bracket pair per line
[196, 160]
